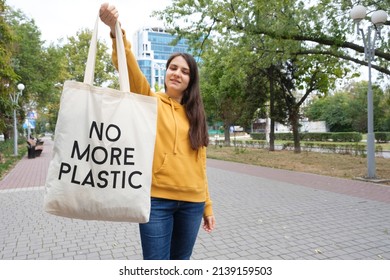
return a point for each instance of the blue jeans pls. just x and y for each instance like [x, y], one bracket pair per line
[172, 229]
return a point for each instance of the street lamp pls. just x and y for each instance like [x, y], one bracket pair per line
[14, 99]
[378, 18]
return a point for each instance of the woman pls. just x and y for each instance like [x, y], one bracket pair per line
[179, 191]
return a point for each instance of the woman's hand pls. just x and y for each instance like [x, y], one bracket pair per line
[109, 15]
[209, 223]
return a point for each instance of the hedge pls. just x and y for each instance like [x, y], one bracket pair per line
[325, 136]
[382, 137]
[341, 148]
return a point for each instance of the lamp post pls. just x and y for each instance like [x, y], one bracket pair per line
[14, 99]
[378, 18]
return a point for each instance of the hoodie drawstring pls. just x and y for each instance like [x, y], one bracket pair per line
[176, 127]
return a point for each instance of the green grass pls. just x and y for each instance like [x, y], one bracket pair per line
[7, 158]
[329, 164]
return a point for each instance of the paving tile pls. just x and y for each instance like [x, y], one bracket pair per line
[262, 213]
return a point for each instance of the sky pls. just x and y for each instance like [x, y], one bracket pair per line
[63, 18]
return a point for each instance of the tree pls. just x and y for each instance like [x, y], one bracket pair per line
[55, 77]
[69, 64]
[43, 70]
[76, 53]
[24, 46]
[7, 73]
[346, 110]
[322, 27]
[358, 106]
[234, 84]
[333, 110]
[286, 29]
[384, 108]
[222, 86]
[307, 75]
[38, 68]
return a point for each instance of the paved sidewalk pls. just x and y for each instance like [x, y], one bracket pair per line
[262, 213]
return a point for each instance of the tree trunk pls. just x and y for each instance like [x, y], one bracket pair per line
[6, 135]
[294, 121]
[272, 135]
[271, 110]
[227, 134]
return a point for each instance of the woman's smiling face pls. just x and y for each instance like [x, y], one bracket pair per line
[177, 78]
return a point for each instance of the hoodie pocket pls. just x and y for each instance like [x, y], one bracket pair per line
[180, 171]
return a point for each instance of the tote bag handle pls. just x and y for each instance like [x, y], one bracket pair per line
[122, 65]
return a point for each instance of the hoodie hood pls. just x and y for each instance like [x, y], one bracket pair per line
[166, 99]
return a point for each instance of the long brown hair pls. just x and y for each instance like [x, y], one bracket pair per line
[192, 100]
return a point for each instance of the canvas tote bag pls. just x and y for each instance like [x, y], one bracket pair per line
[103, 149]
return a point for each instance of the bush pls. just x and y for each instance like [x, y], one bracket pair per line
[258, 136]
[323, 136]
[7, 158]
[382, 137]
[284, 136]
[347, 137]
[316, 136]
[256, 143]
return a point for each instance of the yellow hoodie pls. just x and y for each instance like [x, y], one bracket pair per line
[179, 172]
